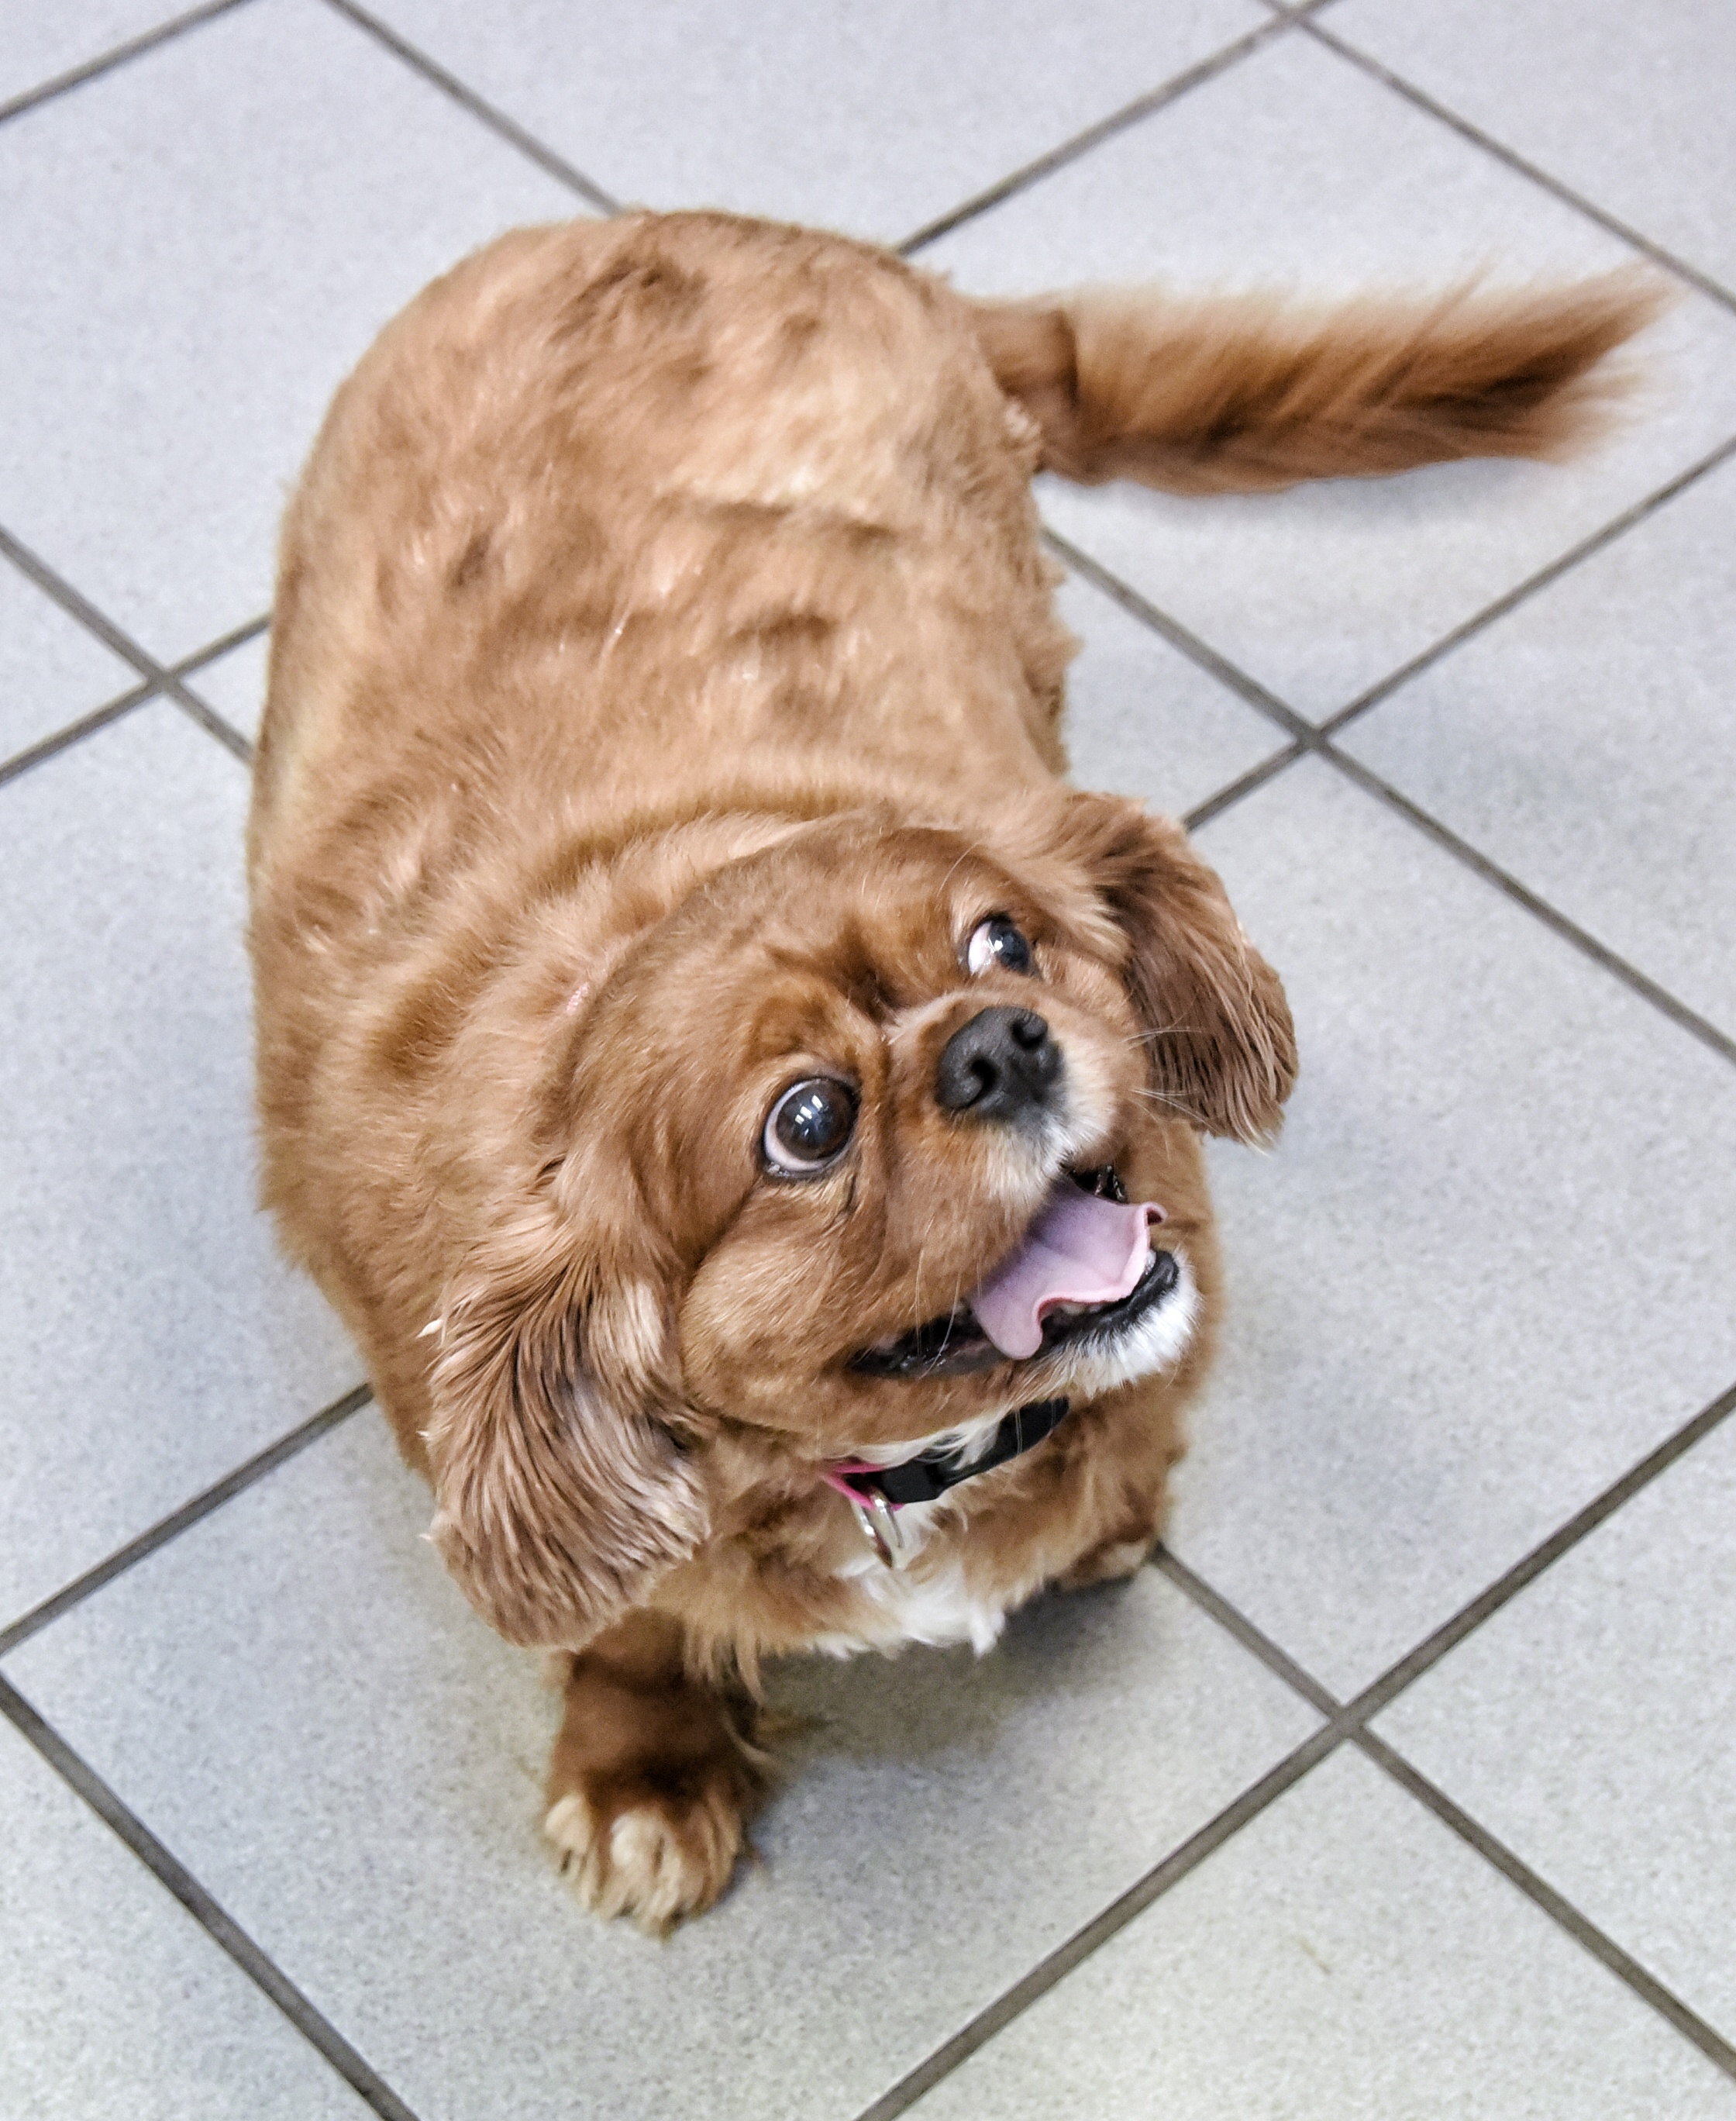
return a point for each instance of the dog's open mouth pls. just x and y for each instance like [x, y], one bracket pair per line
[1085, 1270]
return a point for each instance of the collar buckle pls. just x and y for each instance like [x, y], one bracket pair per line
[875, 1492]
[878, 1519]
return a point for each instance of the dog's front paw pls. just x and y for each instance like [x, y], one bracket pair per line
[655, 1855]
[1111, 1563]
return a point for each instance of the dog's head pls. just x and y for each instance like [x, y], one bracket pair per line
[833, 1149]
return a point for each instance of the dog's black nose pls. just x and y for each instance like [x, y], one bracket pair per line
[999, 1066]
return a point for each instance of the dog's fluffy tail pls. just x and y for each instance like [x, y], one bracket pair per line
[1238, 393]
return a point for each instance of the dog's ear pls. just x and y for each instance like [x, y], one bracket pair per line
[560, 1499]
[1217, 1028]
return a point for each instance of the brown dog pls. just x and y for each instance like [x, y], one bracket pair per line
[724, 1077]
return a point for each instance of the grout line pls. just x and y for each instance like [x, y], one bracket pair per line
[212, 1918]
[1256, 777]
[497, 120]
[1616, 527]
[1234, 1622]
[106, 63]
[211, 721]
[1570, 931]
[1350, 1720]
[899, 2097]
[1310, 738]
[1093, 136]
[74, 732]
[237, 636]
[69, 601]
[1680, 269]
[250, 1470]
[1429, 1650]
[1178, 636]
[162, 677]
[1349, 1717]
[1584, 1932]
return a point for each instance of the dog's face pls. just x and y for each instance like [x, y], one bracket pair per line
[836, 1150]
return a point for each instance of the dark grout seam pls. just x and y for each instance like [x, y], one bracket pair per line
[267, 1461]
[1345, 1723]
[160, 677]
[212, 1918]
[1350, 1723]
[899, 2097]
[1381, 1692]
[1309, 739]
[1538, 1890]
[1667, 259]
[237, 636]
[467, 98]
[74, 732]
[107, 62]
[1093, 136]
[1617, 527]
[1179, 637]
[1570, 931]
[1352, 1719]
[1233, 791]
[1470, 1616]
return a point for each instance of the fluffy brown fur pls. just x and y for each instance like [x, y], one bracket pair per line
[664, 684]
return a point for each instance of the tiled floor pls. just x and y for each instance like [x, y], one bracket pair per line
[1401, 1787]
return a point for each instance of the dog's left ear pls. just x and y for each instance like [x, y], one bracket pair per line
[560, 1497]
[1218, 1032]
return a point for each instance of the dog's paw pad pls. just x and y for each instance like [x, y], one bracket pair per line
[657, 1860]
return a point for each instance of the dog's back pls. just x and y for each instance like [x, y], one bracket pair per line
[617, 511]
[619, 507]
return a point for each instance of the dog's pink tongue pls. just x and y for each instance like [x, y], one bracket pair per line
[1080, 1250]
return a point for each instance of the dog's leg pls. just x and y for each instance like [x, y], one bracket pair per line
[653, 1780]
[1131, 1516]
[1109, 1561]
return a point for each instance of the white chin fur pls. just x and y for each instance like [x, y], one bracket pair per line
[935, 1605]
[1157, 1342]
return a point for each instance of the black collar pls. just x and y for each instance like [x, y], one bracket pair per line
[929, 1474]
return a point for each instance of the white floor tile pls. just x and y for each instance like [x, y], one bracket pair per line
[1143, 720]
[38, 43]
[874, 120]
[234, 683]
[1482, 1272]
[52, 669]
[1586, 744]
[1629, 105]
[149, 1335]
[199, 246]
[1588, 1726]
[115, 2004]
[1345, 1956]
[297, 1699]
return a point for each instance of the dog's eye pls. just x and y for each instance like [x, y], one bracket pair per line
[996, 941]
[810, 1124]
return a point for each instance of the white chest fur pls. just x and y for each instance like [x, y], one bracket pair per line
[933, 1604]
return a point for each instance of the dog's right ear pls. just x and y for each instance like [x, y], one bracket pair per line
[1219, 1043]
[1218, 1036]
[561, 1499]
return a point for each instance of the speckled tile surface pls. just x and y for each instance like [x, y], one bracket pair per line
[1399, 1788]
